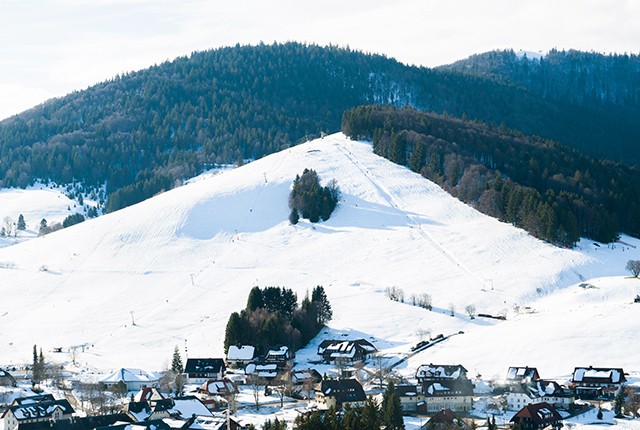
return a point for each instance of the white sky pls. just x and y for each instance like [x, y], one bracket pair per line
[49, 48]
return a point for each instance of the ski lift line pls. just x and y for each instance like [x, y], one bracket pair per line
[387, 196]
[259, 194]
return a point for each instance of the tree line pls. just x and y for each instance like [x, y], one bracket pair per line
[273, 318]
[556, 193]
[144, 132]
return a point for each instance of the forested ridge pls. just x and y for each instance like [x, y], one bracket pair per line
[554, 192]
[143, 132]
[597, 94]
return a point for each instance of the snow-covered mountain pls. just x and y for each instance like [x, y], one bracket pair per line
[133, 284]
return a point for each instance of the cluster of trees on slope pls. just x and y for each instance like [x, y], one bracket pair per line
[273, 318]
[598, 94]
[143, 132]
[555, 193]
[311, 200]
[372, 416]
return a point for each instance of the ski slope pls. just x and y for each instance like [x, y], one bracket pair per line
[133, 284]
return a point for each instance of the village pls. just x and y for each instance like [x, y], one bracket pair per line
[242, 390]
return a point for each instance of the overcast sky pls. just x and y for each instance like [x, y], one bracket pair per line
[49, 48]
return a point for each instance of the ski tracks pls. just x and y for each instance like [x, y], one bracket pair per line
[417, 226]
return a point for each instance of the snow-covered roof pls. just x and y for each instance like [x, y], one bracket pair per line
[440, 371]
[189, 406]
[598, 375]
[130, 375]
[243, 352]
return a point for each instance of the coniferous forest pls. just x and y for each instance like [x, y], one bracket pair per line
[554, 192]
[144, 132]
[273, 318]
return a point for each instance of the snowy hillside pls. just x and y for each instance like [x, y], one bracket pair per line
[35, 203]
[180, 263]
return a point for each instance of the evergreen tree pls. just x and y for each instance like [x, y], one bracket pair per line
[21, 223]
[392, 409]
[36, 376]
[43, 223]
[294, 217]
[176, 362]
[321, 304]
[371, 416]
[234, 332]
[256, 299]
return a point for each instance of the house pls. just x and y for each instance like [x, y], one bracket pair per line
[437, 372]
[260, 370]
[350, 351]
[539, 391]
[410, 398]
[144, 425]
[6, 380]
[216, 394]
[199, 370]
[537, 416]
[134, 379]
[188, 406]
[241, 355]
[36, 409]
[592, 382]
[305, 376]
[78, 423]
[337, 393]
[522, 375]
[216, 422]
[454, 394]
[148, 394]
[446, 419]
[283, 355]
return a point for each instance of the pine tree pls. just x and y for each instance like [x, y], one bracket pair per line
[35, 368]
[234, 331]
[21, 223]
[392, 409]
[294, 217]
[371, 416]
[176, 362]
[43, 223]
[321, 305]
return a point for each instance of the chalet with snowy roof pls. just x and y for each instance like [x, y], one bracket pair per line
[537, 392]
[350, 351]
[337, 393]
[148, 394]
[446, 419]
[282, 355]
[144, 425]
[537, 416]
[200, 370]
[522, 375]
[6, 379]
[36, 409]
[79, 423]
[134, 379]
[188, 406]
[240, 355]
[305, 376]
[438, 372]
[267, 371]
[593, 382]
[216, 394]
[454, 394]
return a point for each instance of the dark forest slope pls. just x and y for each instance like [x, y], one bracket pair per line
[143, 132]
[554, 192]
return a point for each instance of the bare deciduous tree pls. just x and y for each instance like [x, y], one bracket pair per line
[470, 310]
[633, 266]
